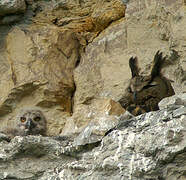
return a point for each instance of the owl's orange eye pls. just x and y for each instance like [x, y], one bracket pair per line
[37, 118]
[22, 119]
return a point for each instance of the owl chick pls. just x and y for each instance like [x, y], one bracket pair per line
[31, 122]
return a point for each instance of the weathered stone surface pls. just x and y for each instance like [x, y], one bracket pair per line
[176, 100]
[12, 6]
[150, 146]
[106, 12]
[31, 146]
[103, 67]
[96, 116]
[112, 108]
[88, 18]
[95, 131]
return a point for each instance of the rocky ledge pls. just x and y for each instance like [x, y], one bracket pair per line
[149, 146]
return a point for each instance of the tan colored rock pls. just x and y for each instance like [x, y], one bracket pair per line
[106, 12]
[41, 61]
[103, 66]
[111, 107]
[101, 113]
[88, 18]
[39, 55]
[5, 72]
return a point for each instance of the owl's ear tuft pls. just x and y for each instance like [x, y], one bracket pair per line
[157, 63]
[133, 64]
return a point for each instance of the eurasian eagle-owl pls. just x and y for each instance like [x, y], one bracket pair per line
[145, 92]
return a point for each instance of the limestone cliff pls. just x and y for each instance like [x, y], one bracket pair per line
[70, 58]
[67, 56]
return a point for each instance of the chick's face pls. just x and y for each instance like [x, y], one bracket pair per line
[32, 122]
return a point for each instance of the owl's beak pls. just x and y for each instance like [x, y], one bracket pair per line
[135, 95]
[30, 124]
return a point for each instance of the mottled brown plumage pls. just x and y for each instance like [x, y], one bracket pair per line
[145, 92]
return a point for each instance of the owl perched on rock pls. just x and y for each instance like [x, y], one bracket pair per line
[145, 92]
[29, 121]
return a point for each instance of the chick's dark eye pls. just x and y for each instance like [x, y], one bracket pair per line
[37, 118]
[22, 119]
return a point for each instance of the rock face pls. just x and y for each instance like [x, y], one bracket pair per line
[41, 71]
[104, 70]
[40, 53]
[70, 59]
[149, 146]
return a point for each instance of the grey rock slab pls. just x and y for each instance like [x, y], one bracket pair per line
[149, 146]
[12, 6]
[173, 101]
[179, 112]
